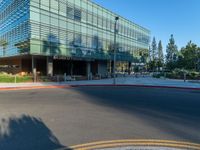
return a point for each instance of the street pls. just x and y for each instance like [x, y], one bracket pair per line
[54, 118]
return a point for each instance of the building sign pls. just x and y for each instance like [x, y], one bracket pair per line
[61, 58]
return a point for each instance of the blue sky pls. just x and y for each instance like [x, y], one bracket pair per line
[162, 17]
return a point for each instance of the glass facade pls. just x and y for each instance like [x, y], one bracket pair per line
[71, 28]
[14, 27]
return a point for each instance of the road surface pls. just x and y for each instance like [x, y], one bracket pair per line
[54, 118]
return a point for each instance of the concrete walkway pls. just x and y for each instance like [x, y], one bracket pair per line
[143, 81]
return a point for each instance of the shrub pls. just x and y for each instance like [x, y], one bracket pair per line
[179, 74]
[194, 75]
[158, 75]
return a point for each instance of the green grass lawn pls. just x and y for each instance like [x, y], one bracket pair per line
[11, 79]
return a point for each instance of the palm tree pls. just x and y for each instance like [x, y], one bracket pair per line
[4, 44]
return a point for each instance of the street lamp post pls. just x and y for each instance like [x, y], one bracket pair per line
[115, 47]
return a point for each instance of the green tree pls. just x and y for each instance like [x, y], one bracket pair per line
[154, 49]
[3, 44]
[190, 56]
[160, 61]
[180, 61]
[172, 53]
[152, 65]
[149, 53]
[160, 52]
[198, 61]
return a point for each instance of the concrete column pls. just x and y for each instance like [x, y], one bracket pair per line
[89, 70]
[49, 66]
[34, 70]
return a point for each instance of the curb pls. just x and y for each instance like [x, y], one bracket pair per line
[34, 87]
[137, 142]
[93, 85]
[136, 85]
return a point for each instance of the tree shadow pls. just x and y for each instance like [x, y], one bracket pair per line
[23, 47]
[96, 50]
[52, 45]
[27, 133]
[121, 53]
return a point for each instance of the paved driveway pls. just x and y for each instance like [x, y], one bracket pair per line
[53, 118]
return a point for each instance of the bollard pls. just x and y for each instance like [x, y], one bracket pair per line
[34, 75]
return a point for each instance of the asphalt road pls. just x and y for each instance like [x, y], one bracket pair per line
[47, 119]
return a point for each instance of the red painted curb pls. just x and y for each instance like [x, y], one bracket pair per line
[95, 85]
[33, 87]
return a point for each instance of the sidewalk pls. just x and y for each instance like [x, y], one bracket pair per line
[146, 81]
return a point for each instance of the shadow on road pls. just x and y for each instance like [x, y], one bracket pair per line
[173, 112]
[26, 133]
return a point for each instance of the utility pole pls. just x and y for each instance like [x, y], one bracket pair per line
[115, 47]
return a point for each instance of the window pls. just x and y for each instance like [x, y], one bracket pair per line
[70, 26]
[45, 4]
[54, 6]
[35, 31]
[35, 16]
[83, 40]
[54, 21]
[104, 22]
[95, 20]
[77, 39]
[70, 12]
[77, 14]
[37, 1]
[108, 25]
[62, 24]
[84, 15]
[77, 28]
[100, 21]
[83, 29]
[89, 18]
[89, 42]
[70, 38]
[45, 19]
[62, 9]
[44, 31]
[62, 36]
[95, 41]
